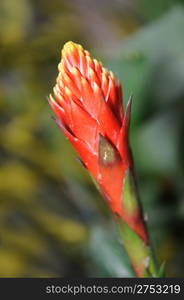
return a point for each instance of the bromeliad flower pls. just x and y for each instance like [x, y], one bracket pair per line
[88, 105]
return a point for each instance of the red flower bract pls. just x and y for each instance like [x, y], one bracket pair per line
[88, 105]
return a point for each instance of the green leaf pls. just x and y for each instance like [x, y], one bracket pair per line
[129, 197]
[161, 272]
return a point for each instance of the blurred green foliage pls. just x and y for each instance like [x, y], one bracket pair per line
[53, 222]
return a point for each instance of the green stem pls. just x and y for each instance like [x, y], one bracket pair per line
[138, 248]
[140, 253]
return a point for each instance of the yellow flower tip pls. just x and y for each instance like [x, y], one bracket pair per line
[104, 78]
[63, 53]
[81, 53]
[75, 72]
[105, 71]
[51, 98]
[61, 67]
[66, 78]
[55, 90]
[60, 84]
[71, 47]
[112, 75]
[89, 60]
[67, 91]
[96, 64]
[95, 86]
[83, 81]
[91, 72]
[87, 53]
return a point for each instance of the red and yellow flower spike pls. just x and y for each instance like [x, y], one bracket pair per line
[88, 105]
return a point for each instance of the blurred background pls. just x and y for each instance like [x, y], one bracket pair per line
[52, 220]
